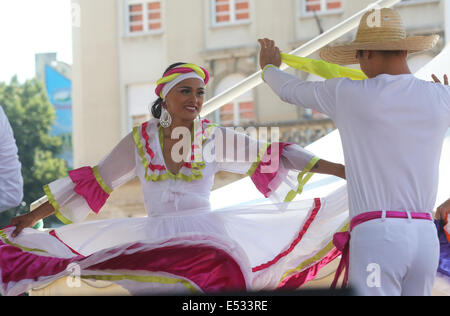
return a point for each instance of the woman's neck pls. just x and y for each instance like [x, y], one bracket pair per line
[177, 123]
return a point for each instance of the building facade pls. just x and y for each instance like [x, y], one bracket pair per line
[122, 47]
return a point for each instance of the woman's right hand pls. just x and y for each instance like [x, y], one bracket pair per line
[31, 219]
[23, 221]
[443, 210]
[436, 79]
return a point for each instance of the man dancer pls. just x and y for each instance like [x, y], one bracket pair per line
[11, 182]
[392, 127]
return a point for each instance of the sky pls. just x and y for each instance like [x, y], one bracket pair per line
[28, 27]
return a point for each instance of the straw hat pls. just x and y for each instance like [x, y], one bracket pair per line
[378, 30]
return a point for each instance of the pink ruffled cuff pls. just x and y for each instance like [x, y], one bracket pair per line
[90, 185]
[268, 168]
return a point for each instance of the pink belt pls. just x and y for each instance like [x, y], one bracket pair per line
[342, 240]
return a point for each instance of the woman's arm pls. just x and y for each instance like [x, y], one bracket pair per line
[85, 190]
[30, 219]
[295, 157]
[328, 167]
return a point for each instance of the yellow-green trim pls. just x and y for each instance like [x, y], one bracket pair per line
[196, 167]
[100, 181]
[140, 148]
[303, 178]
[7, 241]
[55, 204]
[261, 154]
[137, 278]
[316, 258]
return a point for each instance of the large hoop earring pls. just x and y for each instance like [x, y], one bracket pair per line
[165, 119]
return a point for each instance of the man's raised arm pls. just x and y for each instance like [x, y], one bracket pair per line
[319, 96]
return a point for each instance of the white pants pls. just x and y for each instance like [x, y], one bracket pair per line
[393, 256]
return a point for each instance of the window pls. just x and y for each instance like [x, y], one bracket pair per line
[227, 12]
[321, 6]
[140, 98]
[143, 16]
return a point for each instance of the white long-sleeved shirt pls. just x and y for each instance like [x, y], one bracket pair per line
[11, 182]
[392, 130]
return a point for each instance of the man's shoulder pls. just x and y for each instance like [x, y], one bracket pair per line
[340, 81]
[437, 89]
[343, 83]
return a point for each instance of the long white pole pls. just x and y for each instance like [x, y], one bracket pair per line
[303, 51]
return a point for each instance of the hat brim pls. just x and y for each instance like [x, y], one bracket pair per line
[346, 54]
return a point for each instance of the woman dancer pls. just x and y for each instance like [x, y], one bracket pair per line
[182, 245]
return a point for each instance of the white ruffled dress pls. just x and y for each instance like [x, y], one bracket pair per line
[183, 246]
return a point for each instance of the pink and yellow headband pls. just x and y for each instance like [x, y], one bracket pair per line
[176, 75]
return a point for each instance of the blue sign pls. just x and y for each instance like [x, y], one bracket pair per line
[59, 91]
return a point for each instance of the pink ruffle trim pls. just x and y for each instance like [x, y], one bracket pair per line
[268, 168]
[87, 186]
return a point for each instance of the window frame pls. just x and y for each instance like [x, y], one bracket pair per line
[323, 4]
[146, 21]
[232, 11]
[411, 2]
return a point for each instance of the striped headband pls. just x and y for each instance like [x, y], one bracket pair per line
[175, 75]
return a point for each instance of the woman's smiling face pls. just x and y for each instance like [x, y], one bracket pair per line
[185, 100]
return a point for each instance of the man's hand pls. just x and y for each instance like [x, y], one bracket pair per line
[443, 210]
[438, 81]
[269, 54]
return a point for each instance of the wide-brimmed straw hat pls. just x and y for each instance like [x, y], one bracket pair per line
[380, 29]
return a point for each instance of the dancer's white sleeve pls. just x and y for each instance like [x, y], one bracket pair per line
[278, 170]
[319, 96]
[86, 189]
[11, 181]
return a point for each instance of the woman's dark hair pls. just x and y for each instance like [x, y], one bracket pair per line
[157, 105]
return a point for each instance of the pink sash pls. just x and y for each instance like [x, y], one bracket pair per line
[342, 240]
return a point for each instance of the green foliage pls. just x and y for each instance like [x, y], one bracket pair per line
[31, 117]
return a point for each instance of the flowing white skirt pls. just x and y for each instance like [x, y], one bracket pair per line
[258, 247]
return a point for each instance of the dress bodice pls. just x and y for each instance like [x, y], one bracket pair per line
[176, 195]
[163, 191]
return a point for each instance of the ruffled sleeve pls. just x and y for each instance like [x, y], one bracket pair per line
[279, 170]
[283, 171]
[87, 189]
